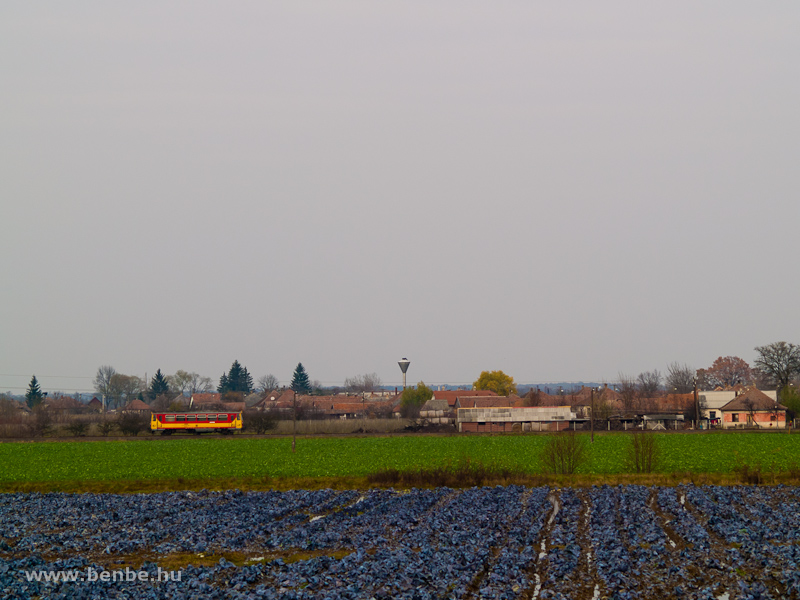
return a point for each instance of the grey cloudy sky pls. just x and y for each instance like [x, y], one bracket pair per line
[560, 190]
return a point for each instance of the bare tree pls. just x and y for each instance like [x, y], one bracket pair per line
[179, 382]
[164, 401]
[267, 383]
[8, 407]
[363, 383]
[603, 410]
[703, 380]
[199, 384]
[626, 387]
[680, 378]
[40, 421]
[102, 381]
[750, 407]
[648, 383]
[124, 389]
[779, 361]
[563, 453]
[644, 454]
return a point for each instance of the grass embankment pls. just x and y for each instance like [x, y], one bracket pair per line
[163, 465]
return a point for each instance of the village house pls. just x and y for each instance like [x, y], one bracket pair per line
[753, 408]
[205, 400]
[452, 395]
[136, 406]
[711, 402]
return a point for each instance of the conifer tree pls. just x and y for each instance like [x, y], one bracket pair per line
[223, 384]
[158, 385]
[236, 380]
[300, 382]
[33, 397]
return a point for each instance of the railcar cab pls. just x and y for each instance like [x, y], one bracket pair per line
[195, 422]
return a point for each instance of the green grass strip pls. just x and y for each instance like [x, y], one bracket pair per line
[193, 458]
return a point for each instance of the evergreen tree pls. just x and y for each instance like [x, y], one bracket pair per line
[246, 382]
[158, 385]
[236, 380]
[223, 384]
[300, 382]
[33, 396]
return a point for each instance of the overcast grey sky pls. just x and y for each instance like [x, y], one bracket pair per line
[560, 190]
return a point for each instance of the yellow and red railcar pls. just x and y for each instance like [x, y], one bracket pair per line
[196, 422]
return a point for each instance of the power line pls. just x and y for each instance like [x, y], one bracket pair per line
[50, 376]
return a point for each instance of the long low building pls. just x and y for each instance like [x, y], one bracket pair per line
[512, 418]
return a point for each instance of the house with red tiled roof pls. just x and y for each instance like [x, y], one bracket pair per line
[537, 397]
[486, 401]
[95, 404]
[204, 400]
[451, 395]
[276, 399]
[753, 408]
[136, 406]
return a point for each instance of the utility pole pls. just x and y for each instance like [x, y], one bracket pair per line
[294, 419]
[591, 416]
[696, 403]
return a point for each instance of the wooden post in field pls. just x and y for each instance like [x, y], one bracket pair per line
[294, 419]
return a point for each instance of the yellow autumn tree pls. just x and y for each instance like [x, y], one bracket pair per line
[496, 381]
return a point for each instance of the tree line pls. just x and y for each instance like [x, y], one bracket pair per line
[118, 389]
[776, 366]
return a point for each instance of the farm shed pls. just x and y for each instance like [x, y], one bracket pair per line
[663, 422]
[499, 419]
[437, 411]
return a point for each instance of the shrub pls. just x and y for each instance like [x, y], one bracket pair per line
[463, 474]
[644, 454]
[40, 421]
[749, 474]
[132, 423]
[77, 428]
[413, 399]
[105, 427]
[564, 453]
[258, 421]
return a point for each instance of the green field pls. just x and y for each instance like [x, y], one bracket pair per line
[213, 458]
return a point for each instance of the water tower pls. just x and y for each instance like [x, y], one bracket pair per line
[404, 367]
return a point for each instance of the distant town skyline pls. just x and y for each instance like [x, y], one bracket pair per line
[72, 383]
[563, 192]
